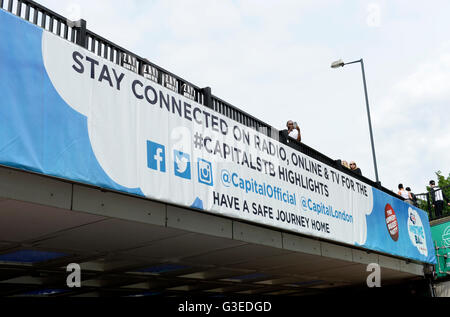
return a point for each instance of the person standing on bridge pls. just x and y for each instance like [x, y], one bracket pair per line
[345, 164]
[402, 192]
[437, 198]
[355, 168]
[413, 197]
[294, 130]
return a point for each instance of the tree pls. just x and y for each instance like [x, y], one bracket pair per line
[423, 203]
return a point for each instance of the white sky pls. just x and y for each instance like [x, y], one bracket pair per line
[272, 59]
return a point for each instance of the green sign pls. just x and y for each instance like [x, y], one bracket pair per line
[441, 238]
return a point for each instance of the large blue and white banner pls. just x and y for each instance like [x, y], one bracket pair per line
[67, 112]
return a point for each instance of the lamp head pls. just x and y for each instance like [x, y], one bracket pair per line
[338, 63]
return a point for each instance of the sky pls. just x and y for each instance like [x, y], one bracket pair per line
[272, 59]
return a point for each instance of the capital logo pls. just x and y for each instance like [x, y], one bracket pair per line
[416, 232]
[156, 156]
[204, 168]
[182, 164]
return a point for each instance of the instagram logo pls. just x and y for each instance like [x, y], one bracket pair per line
[205, 172]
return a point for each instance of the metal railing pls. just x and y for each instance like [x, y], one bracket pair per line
[424, 200]
[77, 32]
[41, 16]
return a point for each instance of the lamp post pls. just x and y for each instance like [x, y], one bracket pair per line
[340, 63]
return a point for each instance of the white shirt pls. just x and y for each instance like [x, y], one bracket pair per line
[438, 194]
[404, 194]
[294, 134]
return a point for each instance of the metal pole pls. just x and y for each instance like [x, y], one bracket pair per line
[207, 97]
[370, 123]
[80, 26]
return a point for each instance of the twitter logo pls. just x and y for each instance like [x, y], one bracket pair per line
[182, 164]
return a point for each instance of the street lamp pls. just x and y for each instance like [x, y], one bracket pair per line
[340, 63]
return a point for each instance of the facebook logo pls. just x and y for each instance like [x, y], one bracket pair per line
[156, 156]
[182, 164]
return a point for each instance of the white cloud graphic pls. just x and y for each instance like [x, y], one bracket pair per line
[118, 124]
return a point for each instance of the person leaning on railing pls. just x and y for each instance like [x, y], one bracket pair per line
[437, 198]
[355, 168]
[345, 164]
[412, 196]
[293, 130]
[406, 195]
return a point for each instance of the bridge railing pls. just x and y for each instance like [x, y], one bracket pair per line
[41, 16]
[424, 201]
[77, 32]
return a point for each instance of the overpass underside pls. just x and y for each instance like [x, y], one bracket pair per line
[128, 246]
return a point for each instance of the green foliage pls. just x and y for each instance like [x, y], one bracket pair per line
[422, 203]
